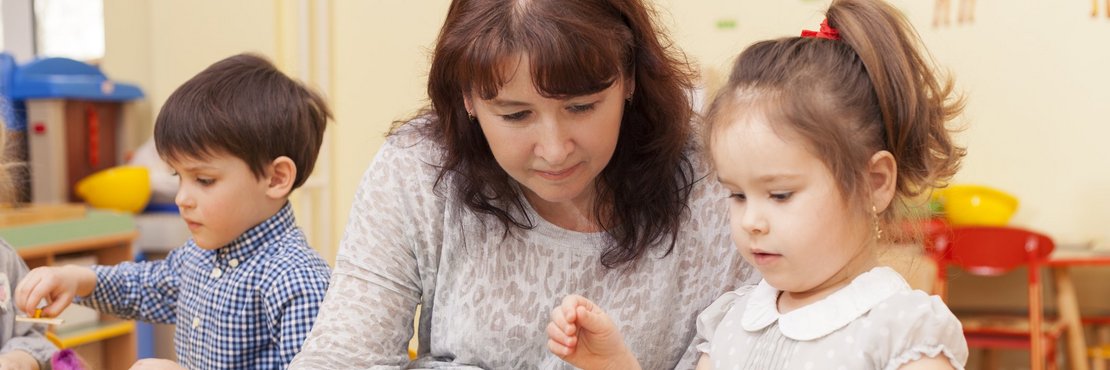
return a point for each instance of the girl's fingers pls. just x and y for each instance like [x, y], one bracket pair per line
[554, 333]
[559, 349]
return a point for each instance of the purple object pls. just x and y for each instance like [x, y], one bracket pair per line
[66, 359]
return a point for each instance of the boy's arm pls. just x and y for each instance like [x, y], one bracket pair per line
[144, 291]
[291, 303]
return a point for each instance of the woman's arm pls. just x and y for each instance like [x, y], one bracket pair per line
[366, 319]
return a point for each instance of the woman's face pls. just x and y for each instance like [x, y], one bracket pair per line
[555, 148]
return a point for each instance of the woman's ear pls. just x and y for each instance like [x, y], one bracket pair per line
[468, 105]
[280, 177]
[882, 173]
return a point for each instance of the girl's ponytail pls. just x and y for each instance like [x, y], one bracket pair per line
[915, 103]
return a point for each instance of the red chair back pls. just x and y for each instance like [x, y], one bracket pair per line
[991, 250]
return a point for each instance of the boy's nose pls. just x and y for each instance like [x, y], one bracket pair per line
[183, 200]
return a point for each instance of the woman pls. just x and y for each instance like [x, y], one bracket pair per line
[556, 157]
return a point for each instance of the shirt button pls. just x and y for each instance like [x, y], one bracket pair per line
[196, 322]
[216, 273]
[233, 262]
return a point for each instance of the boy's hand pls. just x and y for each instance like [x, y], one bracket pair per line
[18, 360]
[583, 335]
[156, 364]
[58, 285]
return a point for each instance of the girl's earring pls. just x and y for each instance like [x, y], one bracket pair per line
[878, 227]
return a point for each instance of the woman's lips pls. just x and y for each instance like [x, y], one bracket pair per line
[558, 175]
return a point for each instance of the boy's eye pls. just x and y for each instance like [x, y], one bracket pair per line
[581, 108]
[782, 196]
[516, 116]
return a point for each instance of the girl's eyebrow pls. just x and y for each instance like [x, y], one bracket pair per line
[778, 177]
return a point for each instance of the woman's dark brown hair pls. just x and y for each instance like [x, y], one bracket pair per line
[576, 47]
[874, 89]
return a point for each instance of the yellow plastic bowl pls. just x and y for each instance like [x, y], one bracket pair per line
[123, 188]
[977, 205]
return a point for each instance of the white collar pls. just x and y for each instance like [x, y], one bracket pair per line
[827, 315]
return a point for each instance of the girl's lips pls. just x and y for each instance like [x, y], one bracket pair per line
[558, 175]
[762, 258]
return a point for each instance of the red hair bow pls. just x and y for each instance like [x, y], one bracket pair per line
[826, 32]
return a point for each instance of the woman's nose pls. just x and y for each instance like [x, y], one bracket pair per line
[554, 144]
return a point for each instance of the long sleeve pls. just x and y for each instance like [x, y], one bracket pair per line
[145, 291]
[20, 336]
[367, 316]
[292, 301]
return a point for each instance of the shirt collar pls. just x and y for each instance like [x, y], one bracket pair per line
[259, 236]
[827, 315]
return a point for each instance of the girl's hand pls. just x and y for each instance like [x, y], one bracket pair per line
[156, 364]
[583, 335]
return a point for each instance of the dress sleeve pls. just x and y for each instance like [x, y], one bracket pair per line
[921, 326]
[366, 319]
[711, 317]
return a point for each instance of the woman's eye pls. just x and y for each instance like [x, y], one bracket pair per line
[781, 196]
[581, 108]
[516, 116]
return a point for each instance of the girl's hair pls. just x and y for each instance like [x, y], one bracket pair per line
[576, 47]
[871, 90]
[7, 185]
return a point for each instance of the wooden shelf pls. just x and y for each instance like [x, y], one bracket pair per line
[111, 342]
[94, 333]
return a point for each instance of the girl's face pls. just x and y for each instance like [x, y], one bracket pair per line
[555, 148]
[787, 215]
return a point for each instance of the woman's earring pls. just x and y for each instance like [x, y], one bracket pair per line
[878, 227]
[470, 116]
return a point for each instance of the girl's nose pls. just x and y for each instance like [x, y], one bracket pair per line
[754, 222]
[183, 199]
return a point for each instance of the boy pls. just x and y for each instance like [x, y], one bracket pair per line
[245, 290]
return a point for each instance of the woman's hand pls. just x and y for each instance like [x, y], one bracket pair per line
[583, 335]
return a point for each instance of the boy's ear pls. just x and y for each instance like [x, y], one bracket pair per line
[281, 176]
[882, 172]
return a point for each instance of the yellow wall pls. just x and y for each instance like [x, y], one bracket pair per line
[1033, 72]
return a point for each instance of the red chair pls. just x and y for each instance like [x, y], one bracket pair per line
[993, 251]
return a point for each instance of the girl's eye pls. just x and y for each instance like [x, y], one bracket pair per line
[738, 196]
[205, 181]
[782, 196]
[581, 108]
[518, 116]
[174, 174]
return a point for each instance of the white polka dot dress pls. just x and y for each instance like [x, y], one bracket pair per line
[875, 322]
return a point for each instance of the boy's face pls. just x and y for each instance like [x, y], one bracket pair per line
[220, 198]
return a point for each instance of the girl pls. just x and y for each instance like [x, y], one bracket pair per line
[815, 137]
[22, 345]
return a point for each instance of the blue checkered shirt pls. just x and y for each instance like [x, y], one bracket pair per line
[247, 305]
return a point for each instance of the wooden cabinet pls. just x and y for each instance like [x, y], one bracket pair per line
[109, 343]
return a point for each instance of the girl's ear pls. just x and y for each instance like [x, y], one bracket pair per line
[280, 177]
[882, 172]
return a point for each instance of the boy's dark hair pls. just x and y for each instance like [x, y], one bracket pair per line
[245, 107]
